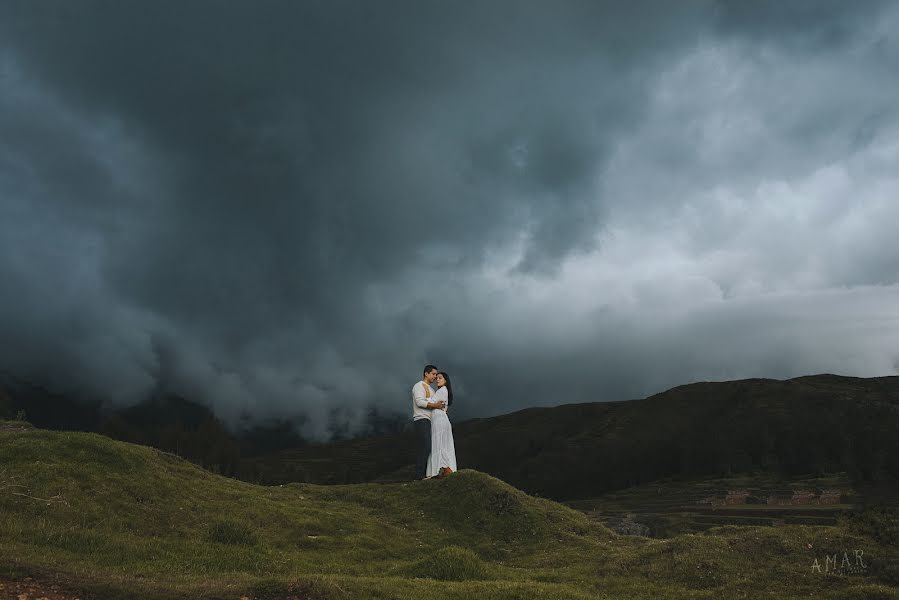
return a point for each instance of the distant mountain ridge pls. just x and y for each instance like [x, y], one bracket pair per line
[807, 425]
[811, 424]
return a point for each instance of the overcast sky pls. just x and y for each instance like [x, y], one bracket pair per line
[285, 209]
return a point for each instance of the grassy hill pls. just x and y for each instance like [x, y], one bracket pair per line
[106, 519]
[820, 424]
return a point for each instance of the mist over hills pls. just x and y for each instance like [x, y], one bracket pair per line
[814, 424]
[169, 422]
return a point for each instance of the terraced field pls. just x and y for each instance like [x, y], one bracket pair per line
[672, 508]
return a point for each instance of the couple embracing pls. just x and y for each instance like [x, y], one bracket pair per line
[435, 449]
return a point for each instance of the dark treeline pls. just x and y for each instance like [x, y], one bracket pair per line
[813, 425]
[810, 425]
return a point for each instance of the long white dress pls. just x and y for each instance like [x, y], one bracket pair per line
[443, 449]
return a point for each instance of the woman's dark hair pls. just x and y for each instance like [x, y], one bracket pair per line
[449, 388]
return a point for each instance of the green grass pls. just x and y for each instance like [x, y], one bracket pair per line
[117, 520]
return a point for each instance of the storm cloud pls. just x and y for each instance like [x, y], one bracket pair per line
[285, 209]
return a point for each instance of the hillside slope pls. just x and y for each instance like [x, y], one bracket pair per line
[824, 423]
[115, 520]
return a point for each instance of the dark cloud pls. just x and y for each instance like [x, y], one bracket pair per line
[287, 208]
[801, 25]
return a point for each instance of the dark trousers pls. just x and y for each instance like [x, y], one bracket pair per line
[422, 446]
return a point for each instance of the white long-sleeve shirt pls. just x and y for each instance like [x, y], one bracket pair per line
[420, 401]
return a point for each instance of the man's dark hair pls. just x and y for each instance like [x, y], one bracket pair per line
[428, 369]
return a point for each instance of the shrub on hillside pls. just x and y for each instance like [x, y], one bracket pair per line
[450, 563]
[232, 533]
[881, 522]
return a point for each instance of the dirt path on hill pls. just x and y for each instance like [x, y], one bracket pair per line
[13, 426]
[29, 589]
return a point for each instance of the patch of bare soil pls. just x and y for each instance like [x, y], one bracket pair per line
[13, 426]
[29, 589]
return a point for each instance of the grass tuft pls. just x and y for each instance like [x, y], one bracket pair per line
[232, 533]
[450, 563]
[879, 521]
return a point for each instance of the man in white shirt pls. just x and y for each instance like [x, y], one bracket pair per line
[421, 418]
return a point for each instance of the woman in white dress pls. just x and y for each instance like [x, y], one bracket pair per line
[442, 461]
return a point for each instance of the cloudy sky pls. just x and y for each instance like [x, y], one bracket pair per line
[284, 209]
